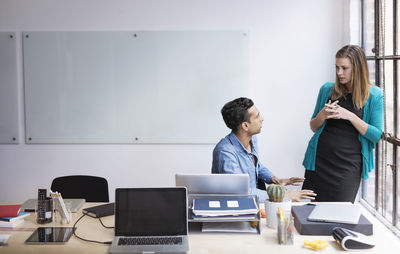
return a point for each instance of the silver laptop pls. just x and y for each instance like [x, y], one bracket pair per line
[214, 183]
[76, 203]
[339, 213]
[150, 220]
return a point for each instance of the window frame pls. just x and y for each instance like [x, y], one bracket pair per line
[391, 139]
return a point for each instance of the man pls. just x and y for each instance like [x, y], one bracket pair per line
[237, 153]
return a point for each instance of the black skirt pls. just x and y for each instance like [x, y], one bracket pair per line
[338, 163]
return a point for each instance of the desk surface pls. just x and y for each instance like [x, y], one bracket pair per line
[202, 243]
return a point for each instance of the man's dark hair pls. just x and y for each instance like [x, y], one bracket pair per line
[235, 112]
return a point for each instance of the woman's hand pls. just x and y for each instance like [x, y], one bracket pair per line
[329, 109]
[322, 115]
[338, 112]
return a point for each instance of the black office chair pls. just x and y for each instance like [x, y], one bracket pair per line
[91, 188]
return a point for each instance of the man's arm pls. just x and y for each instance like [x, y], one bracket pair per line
[265, 174]
[296, 181]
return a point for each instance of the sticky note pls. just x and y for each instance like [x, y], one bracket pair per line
[214, 204]
[233, 203]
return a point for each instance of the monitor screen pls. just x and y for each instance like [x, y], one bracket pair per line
[150, 212]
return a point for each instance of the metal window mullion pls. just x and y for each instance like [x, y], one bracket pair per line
[395, 187]
[362, 17]
[377, 81]
[395, 146]
[395, 35]
[362, 25]
[395, 118]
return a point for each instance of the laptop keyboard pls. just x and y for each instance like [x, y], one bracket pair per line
[150, 241]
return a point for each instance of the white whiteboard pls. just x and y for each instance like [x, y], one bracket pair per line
[131, 87]
[8, 89]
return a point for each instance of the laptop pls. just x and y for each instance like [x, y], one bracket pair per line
[150, 220]
[339, 213]
[237, 184]
[30, 204]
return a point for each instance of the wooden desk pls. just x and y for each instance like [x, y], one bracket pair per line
[202, 243]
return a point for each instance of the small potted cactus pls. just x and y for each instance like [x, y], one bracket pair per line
[276, 194]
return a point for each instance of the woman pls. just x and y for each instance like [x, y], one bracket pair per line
[347, 121]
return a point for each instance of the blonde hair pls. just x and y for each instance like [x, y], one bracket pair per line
[359, 76]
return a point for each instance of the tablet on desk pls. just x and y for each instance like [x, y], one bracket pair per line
[339, 213]
[50, 235]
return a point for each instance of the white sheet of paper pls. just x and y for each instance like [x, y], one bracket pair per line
[214, 204]
[240, 227]
[3, 238]
[233, 203]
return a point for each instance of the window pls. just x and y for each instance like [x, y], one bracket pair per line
[380, 41]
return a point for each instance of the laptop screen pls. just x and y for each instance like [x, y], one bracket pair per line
[150, 212]
[214, 183]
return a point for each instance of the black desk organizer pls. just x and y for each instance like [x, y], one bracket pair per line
[195, 225]
[305, 227]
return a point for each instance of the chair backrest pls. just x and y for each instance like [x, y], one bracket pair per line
[91, 188]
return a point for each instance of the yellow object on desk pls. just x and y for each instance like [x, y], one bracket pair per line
[281, 214]
[316, 245]
[254, 224]
[281, 226]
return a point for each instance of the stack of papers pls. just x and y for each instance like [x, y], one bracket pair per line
[222, 207]
[13, 221]
[242, 217]
[230, 227]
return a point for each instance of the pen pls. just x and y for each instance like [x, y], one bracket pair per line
[282, 219]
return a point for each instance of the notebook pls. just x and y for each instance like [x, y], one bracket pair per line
[152, 220]
[214, 183]
[339, 213]
[76, 203]
[9, 210]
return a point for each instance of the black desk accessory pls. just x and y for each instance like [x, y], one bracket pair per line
[351, 240]
[306, 227]
[44, 208]
[100, 210]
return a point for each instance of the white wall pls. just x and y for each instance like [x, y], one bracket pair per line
[292, 47]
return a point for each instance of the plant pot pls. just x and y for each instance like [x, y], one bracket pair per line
[271, 211]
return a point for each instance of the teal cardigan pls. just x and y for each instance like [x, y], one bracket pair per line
[373, 116]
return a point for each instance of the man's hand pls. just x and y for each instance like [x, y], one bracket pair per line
[296, 181]
[296, 195]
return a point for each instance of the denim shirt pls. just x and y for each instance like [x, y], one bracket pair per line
[230, 157]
